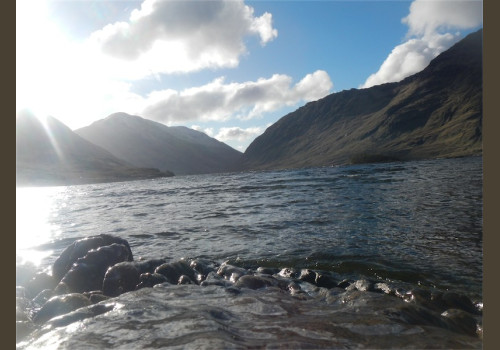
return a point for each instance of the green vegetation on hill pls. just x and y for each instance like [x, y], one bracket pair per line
[433, 114]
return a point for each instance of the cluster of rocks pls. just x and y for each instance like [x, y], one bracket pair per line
[100, 267]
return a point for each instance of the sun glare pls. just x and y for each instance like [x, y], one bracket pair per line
[34, 207]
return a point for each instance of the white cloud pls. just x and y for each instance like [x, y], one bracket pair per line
[238, 134]
[426, 21]
[209, 131]
[219, 101]
[167, 36]
[426, 17]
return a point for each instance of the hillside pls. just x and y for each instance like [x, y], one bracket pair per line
[146, 143]
[434, 113]
[49, 153]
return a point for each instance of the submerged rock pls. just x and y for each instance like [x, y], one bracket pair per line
[60, 305]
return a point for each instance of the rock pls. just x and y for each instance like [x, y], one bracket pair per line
[79, 249]
[173, 271]
[120, 278]
[214, 279]
[324, 280]
[289, 273]
[125, 276]
[267, 270]
[306, 275]
[203, 266]
[43, 296]
[255, 282]
[87, 273]
[59, 305]
[344, 284]
[230, 272]
[150, 280]
[361, 285]
[185, 280]
[461, 321]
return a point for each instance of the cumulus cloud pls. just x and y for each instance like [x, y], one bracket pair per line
[238, 134]
[169, 36]
[219, 101]
[426, 22]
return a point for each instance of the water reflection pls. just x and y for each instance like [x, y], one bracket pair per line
[34, 211]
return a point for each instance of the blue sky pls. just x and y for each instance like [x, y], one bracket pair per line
[228, 68]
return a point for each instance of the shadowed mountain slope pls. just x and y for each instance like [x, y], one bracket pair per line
[434, 113]
[49, 153]
[146, 143]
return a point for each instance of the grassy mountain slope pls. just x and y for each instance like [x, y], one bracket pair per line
[434, 113]
[49, 153]
[147, 143]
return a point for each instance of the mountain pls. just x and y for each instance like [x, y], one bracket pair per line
[49, 153]
[434, 113]
[146, 143]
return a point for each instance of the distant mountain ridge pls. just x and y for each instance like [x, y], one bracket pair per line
[146, 143]
[434, 113]
[49, 153]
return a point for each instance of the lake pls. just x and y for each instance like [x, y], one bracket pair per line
[411, 225]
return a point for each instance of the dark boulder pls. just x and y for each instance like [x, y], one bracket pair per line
[150, 280]
[87, 273]
[174, 270]
[124, 276]
[79, 249]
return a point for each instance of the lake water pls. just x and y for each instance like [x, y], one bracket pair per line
[412, 225]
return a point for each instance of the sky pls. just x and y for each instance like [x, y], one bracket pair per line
[228, 68]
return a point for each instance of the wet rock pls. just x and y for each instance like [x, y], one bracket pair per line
[267, 270]
[255, 282]
[203, 267]
[383, 288]
[120, 278]
[416, 315]
[59, 305]
[43, 296]
[306, 275]
[150, 280]
[361, 285]
[324, 280]
[451, 300]
[230, 272]
[213, 279]
[38, 283]
[289, 273]
[97, 298]
[79, 315]
[174, 270]
[344, 284]
[185, 280]
[461, 321]
[87, 273]
[125, 276]
[79, 249]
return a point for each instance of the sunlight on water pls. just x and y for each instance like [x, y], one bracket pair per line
[34, 207]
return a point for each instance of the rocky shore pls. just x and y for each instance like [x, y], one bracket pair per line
[96, 276]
